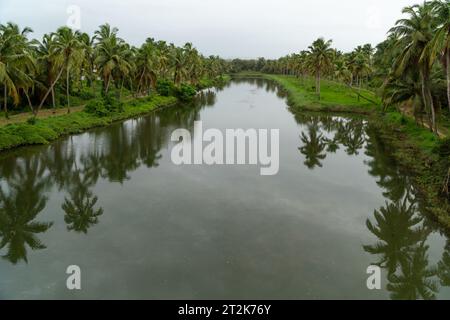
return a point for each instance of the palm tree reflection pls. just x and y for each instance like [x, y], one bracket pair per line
[19, 207]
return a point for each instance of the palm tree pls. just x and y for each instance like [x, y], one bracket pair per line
[112, 53]
[47, 62]
[414, 35]
[439, 47]
[89, 59]
[147, 65]
[69, 53]
[16, 62]
[341, 70]
[320, 59]
[179, 64]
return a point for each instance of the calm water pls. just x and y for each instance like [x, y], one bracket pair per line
[112, 202]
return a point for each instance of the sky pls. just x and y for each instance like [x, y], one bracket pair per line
[229, 28]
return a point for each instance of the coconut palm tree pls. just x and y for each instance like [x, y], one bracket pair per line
[320, 59]
[16, 62]
[341, 70]
[48, 63]
[68, 54]
[414, 35]
[112, 58]
[88, 44]
[439, 47]
[179, 64]
[148, 65]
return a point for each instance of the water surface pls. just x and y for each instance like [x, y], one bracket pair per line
[112, 202]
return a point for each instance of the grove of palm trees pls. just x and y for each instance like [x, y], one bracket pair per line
[91, 122]
[67, 63]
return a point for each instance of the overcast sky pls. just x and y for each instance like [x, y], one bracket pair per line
[229, 28]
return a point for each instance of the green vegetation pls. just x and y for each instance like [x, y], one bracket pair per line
[70, 68]
[410, 71]
[112, 79]
[96, 114]
[334, 96]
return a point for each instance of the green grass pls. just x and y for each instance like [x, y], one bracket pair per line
[422, 137]
[49, 129]
[335, 97]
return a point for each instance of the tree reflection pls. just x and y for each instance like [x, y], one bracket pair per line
[314, 146]
[415, 279]
[401, 229]
[74, 168]
[80, 211]
[398, 229]
[19, 207]
[444, 266]
[326, 134]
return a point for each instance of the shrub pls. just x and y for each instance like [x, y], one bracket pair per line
[85, 94]
[165, 88]
[112, 104]
[96, 107]
[186, 92]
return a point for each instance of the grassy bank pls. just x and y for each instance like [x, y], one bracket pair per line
[94, 111]
[335, 97]
[422, 155]
[43, 131]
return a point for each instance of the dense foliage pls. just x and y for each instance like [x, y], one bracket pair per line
[68, 65]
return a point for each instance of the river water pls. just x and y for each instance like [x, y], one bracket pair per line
[112, 202]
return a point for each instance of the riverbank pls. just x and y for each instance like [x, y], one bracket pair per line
[421, 154]
[47, 127]
[43, 131]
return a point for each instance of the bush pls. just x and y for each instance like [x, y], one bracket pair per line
[85, 94]
[112, 104]
[96, 107]
[186, 92]
[165, 88]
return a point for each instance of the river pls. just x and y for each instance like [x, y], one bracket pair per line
[112, 202]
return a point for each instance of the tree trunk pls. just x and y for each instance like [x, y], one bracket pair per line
[6, 102]
[53, 100]
[425, 98]
[67, 89]
[433, 112]
[318, 84]
[107, 84]
[51, 88]
[359, 89]
[448, 77]
[30, 104]
[121, 88]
